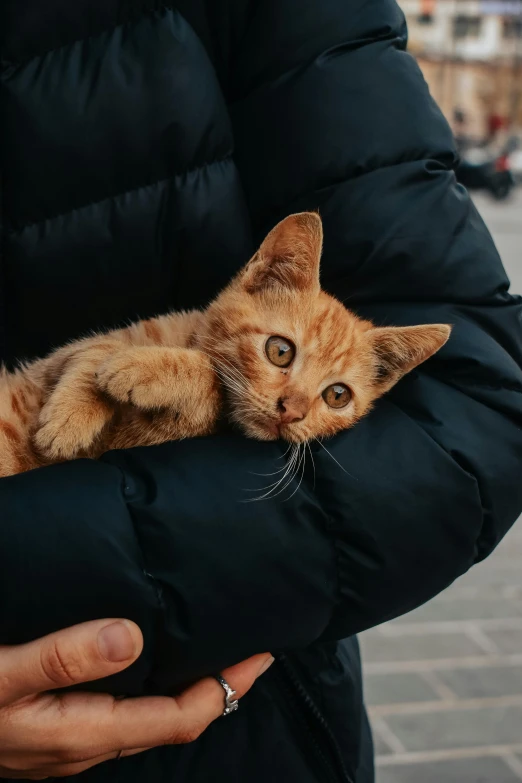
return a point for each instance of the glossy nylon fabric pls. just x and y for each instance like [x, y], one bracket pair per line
[146, 148]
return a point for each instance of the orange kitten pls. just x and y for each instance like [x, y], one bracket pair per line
[281, 357]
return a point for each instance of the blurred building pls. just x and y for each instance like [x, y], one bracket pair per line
[471, 54]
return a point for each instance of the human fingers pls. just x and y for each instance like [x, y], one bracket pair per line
[74, 655]
[54, 734]
[153, 721]
[64, 770]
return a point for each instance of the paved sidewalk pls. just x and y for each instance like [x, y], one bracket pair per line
[504, 220]
[444, 683]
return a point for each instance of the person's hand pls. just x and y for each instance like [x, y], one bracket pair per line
[53, 735]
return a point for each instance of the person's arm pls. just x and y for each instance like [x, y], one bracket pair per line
[163, 536]
[341, 120]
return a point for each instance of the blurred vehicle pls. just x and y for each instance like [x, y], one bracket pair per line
[515, 159]
[482, 169]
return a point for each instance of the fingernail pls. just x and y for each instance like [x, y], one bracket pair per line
[115, 643]
[265, 666]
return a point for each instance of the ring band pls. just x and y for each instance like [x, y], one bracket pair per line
[231, 704]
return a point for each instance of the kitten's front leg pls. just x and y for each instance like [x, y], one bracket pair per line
[155, 378]
[75, 413]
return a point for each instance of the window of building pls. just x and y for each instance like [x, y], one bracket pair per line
[513, 27]
[467, 26]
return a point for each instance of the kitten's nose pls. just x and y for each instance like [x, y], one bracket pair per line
[292, 408]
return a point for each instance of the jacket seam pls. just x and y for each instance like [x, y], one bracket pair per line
[395, 36]
[129, 19]
[461, 463]
[151, 579]
[329, 531]
[19, 226]
[363, 171]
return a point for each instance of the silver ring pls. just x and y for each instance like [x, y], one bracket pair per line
[231, 704]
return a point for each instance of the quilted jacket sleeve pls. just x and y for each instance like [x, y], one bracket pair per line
[340, 119]
[431, 481]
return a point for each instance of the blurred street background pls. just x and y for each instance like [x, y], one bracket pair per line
[470, 52]
[444, 683]
[504, 220]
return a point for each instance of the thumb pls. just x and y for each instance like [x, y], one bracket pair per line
[79, 654]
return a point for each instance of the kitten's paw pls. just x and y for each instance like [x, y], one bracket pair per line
[147, 381]
[69, 431]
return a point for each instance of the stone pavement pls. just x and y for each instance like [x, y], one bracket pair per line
[444, 683]
[504, 220]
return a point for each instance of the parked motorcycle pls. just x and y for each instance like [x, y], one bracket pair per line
[480, 170]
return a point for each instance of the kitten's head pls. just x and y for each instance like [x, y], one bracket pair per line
[295, 362]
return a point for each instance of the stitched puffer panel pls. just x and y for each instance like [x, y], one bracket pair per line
[30, 28]
[120, 183]
[134, 255]
[126, 142]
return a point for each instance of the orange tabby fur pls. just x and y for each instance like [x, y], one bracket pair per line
[171, 377]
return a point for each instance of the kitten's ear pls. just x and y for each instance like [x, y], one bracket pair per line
[401, 348]
[289, 256]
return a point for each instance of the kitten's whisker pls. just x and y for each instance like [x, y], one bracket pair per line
[275, 472]
[302, 462]
[232, 385]
[312, 458]
[267, 475]
[332, 456]
[211, 347]
[271, 493]
[230, 372]
[230, 368]
[224, 367]
[293, 466]
[286, 452]
[292, 474]
[230, 382]
[287, 469]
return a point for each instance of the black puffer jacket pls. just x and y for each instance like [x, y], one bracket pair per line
[146, 148]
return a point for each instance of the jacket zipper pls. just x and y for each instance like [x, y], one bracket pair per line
[321, 736]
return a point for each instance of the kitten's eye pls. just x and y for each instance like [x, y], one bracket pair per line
[280, 351]
[337, 395]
